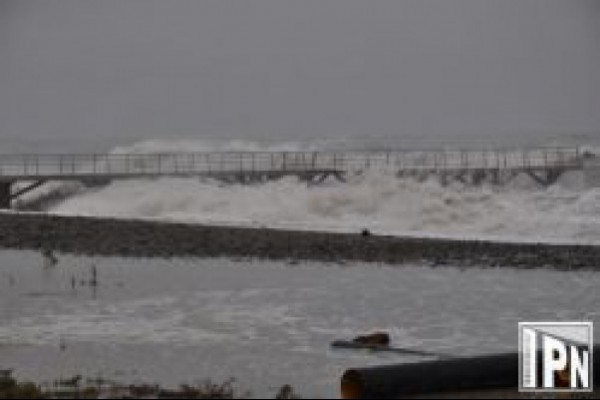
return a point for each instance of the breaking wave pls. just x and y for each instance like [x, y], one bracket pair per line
[378, 201]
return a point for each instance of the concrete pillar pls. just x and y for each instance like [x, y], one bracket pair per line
[5, 195]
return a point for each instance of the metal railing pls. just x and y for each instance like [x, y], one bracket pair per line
[113, 165]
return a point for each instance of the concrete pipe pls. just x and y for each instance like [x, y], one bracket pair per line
[489, 376]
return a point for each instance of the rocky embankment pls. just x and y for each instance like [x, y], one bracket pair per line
[135, 238]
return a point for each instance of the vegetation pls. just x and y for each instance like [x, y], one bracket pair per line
[78, 388]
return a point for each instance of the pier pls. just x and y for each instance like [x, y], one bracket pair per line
[499, 166]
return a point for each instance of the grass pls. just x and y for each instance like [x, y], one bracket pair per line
[78, 388]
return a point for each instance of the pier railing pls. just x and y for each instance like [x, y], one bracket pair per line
[68, 166]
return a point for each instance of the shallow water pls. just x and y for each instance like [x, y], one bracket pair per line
[264, 323]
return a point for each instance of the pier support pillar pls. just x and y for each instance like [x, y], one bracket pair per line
[5, 195]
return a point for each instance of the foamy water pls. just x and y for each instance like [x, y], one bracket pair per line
[379, 201]
[265, 323]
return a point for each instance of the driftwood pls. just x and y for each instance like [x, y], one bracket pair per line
[376, 338]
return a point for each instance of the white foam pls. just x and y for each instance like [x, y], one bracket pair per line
[207, 145]
[379, 201]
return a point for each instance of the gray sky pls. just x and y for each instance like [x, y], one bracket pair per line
[98, 72]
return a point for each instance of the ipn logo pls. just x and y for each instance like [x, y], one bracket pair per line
[555, 357]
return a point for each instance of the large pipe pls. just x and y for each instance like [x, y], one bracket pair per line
[493, 375]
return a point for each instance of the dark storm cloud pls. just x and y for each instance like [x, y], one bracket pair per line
[295, 69]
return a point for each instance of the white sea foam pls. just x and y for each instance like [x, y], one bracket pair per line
[175, 146]
[379, 201]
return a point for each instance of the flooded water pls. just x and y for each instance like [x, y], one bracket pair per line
[264, 323]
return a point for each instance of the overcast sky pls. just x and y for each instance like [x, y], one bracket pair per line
[96, 71]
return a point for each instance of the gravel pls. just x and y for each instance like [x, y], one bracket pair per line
[142, 238]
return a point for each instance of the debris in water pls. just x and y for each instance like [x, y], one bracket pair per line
[50, 259]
